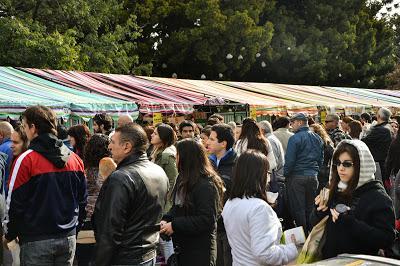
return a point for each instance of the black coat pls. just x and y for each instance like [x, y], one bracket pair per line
[393, 158]
[195, 226]
[378, 141]
[225, 171]
[128, 207]
[368, 227]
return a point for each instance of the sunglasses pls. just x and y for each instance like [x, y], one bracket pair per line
[326, 121]
[346, 164]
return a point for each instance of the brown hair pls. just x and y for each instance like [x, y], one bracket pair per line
[21, 132]
[355, 129]
[252, 133]
[103, 119]
[167, 136]
[347, 119]
[44, 119]
[194, 164]
[250, 176]
[352, 185]
[81, 134]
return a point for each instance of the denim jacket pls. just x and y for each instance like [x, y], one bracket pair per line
[304, 155]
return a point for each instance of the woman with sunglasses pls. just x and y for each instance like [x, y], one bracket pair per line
[361, 213]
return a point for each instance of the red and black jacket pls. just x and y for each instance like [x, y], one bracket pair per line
[47, 192]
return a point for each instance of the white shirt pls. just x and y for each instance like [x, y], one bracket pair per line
[254, 232]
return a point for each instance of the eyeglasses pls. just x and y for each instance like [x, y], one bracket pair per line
[346, 164]
[326, 121]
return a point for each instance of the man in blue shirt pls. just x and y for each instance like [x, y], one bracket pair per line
[303, 159]
[5, 147]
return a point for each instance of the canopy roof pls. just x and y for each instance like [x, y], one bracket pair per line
[19, 90]
[271, 98]
[152, 97]
[168, 95]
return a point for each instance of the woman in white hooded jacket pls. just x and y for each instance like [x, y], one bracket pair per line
[361, 213]
[253, 228]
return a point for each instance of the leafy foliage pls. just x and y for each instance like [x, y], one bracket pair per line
[317, 42]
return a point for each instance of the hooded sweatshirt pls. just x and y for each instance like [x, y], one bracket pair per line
[369, 224]
[47, 192]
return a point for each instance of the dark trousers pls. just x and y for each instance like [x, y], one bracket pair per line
[84, 254]
[301, 194]
[396, 201]
[224, 255]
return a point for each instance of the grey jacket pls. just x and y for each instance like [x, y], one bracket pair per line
[279, 157]
[283, 134]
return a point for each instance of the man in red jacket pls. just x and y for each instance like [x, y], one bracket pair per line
[47, 194]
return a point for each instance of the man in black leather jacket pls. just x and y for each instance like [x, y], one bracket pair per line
[130, 203]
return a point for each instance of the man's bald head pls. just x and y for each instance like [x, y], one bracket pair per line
[5, 130]
[124, 119]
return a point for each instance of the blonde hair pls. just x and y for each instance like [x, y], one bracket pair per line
[320, 131]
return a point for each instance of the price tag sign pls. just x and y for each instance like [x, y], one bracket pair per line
[323, 117]
[253, 113]
[157, 118]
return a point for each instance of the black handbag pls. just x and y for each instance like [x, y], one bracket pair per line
[173, 260]
[394, 251]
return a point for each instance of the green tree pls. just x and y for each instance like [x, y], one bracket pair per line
[95, 35]
[338, 43]
[209, 37]
[26, 43]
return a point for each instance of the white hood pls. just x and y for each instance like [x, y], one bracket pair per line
[367, 163]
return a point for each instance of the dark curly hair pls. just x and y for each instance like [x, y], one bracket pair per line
[95, 150]
[103, 119]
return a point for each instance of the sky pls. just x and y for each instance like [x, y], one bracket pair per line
[391, 8]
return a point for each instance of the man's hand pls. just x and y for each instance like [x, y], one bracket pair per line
[166, 228]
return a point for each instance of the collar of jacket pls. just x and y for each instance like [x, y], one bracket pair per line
[333, 130]
[5, 141]
[229, 154]
[381, 124]
[133, 158]
[303, 128]
[283, 129]
[53, 149]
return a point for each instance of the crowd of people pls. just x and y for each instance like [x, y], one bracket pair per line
[191, 195]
